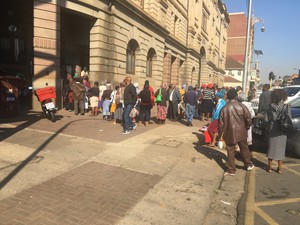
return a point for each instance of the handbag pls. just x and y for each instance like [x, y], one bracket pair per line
[285, 121]
[158, 97]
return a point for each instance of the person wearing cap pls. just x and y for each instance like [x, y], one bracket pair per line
[190, 99]
[213, 126]
[234, 122]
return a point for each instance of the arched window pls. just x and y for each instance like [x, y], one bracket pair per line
[149, 65]
[132, 47]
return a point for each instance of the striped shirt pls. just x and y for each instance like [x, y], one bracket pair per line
[208, 94]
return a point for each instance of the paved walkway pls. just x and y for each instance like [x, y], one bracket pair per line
[82, 170]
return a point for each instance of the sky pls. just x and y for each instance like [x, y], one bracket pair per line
[280, 43]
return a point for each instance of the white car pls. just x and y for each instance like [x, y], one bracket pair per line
[293, 92]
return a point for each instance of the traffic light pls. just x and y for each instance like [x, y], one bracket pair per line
[272, 76]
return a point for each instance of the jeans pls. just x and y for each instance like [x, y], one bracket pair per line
[145, 113]
[190, 111]
[127, 119]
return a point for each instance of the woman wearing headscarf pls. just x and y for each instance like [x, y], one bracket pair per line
[207, 104]
[162, 105]
[213, 126]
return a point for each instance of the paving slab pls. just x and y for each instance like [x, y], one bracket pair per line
[92, 193]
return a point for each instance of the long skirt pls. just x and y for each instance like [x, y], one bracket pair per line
[207, 106]
[105, 110]
[276, 143]
[161, 112]
[119, 112]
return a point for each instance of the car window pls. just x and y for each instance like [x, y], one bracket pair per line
[291, 91]
[295, 103]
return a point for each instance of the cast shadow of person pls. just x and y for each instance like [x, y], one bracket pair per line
[213, 153]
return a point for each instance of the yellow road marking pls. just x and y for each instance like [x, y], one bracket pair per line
[265, 216]
[249, 215]
[284, 166]
[278, 202]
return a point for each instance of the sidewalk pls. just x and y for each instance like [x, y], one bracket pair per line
[82, 170]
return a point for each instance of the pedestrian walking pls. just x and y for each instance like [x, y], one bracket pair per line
[234, 122]
[106, 96]
[207, 104]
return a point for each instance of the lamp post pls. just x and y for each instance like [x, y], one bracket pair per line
[250, 24]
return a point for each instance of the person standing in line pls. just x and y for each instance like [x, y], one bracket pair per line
[181, 105]
[106, 96]
[130, 98]
[234, 122]
[276, 138]
[243, 99]
[145, 105]
[78, 92]
[162, 105]
[84, 72]
[119, 103]
[190, 100]
[94, 99]
[213, 126]
[102, 88]
[264, 100]
[174, 99]
[113, 102]
[207, 104]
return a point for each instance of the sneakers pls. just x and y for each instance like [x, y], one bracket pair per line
[229, 174]
[250, 167]
[126, 132]
[133, 128]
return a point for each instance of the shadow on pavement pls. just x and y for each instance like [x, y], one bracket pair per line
[33, 156]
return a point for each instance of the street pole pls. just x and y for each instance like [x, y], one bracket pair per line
[245, 75]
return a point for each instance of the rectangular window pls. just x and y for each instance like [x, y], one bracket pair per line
[149, 67]
[130, 65]
[239, 72]
[204, 20]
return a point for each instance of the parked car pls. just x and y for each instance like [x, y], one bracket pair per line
[293, 142]
[293, 92]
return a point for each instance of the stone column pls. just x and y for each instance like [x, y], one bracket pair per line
[46, 48]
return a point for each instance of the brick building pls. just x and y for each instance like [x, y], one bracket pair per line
[171, 41]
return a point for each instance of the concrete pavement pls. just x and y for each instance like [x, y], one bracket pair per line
[82, 170]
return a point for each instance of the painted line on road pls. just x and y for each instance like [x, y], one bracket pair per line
[249, 217]
[265, 216]
[283, 166]
[278, 202]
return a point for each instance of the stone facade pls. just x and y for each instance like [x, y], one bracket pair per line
[163, 41]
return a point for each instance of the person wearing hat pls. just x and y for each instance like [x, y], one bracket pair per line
[213, 126]
[207, 104]
[234, 122]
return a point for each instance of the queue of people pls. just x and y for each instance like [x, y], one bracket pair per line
[227, 110]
